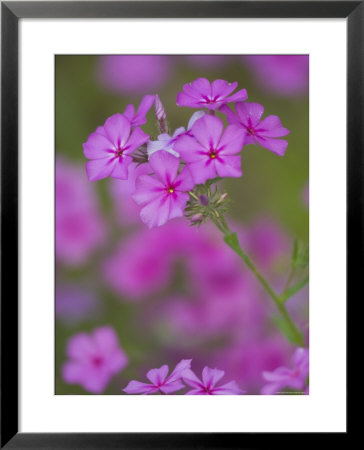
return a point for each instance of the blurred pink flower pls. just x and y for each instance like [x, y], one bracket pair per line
[93, 359]
[256, 131]
[160, 381]
[201, 93]
[74, 304]
[109, 148]
[139, 267]
[283, 377]
[210, 377]
[286, 75]
[133, 74]
[80, 229]
[163, 196]
[248, 358]
[212, 152]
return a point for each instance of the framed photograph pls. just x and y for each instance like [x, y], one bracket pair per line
[181, 221]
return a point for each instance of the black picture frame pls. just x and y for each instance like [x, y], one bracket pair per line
[11, 12]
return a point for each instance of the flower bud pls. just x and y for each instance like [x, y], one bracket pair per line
[204, 200]
[197, 218]
[160, 112]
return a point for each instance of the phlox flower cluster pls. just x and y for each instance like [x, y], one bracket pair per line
[176, 164]
[180, 378]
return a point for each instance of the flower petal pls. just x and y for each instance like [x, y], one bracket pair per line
[271, 126]
[80, 347]
[158, 376]
[105, 339]
[239, 96]
[211, 377]
[195, 116]
[230, 388]
[222, 88]
[100, 168]
[144, 107]
[97, 146]
[202, 171]
[120, 170]
[172, 386]
[147, 189]
[184, 181]
[189, 149]
[179, 370]
[229, 166]
[136, 387]
[156, 213]
[207, 131]
[117, 128]
[249, 113]
[232, 140]
[137, 138]
[277, 146]
[164, 165]
[190, 378]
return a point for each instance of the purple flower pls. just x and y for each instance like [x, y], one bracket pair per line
[210, 377]
[93, 359]
[134, 74]
[203, 94]
[110, 148]
[139, 266]
[167, 142]
[280, 74]
[160, 381]
[164, 194]
[283, 377]
[264, 132]
[139, 117]
[212, 152]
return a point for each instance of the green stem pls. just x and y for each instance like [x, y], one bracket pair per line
[232, 240]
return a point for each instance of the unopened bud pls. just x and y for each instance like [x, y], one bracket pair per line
[204, 200]
[160, 112]
[197, 218]
[222, 198]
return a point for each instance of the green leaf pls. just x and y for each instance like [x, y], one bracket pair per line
[285, 329]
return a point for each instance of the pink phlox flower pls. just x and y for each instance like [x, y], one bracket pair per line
[160, 381]
[257, 131]
[207, 386]
[212, 152]
[280, 74]
[167, 142]
[201, 93]
[284, 377]
[93, 359]
[139, 118]
[109, 148]
[163, 195]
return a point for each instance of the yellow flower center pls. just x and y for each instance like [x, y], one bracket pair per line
[171, 190]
